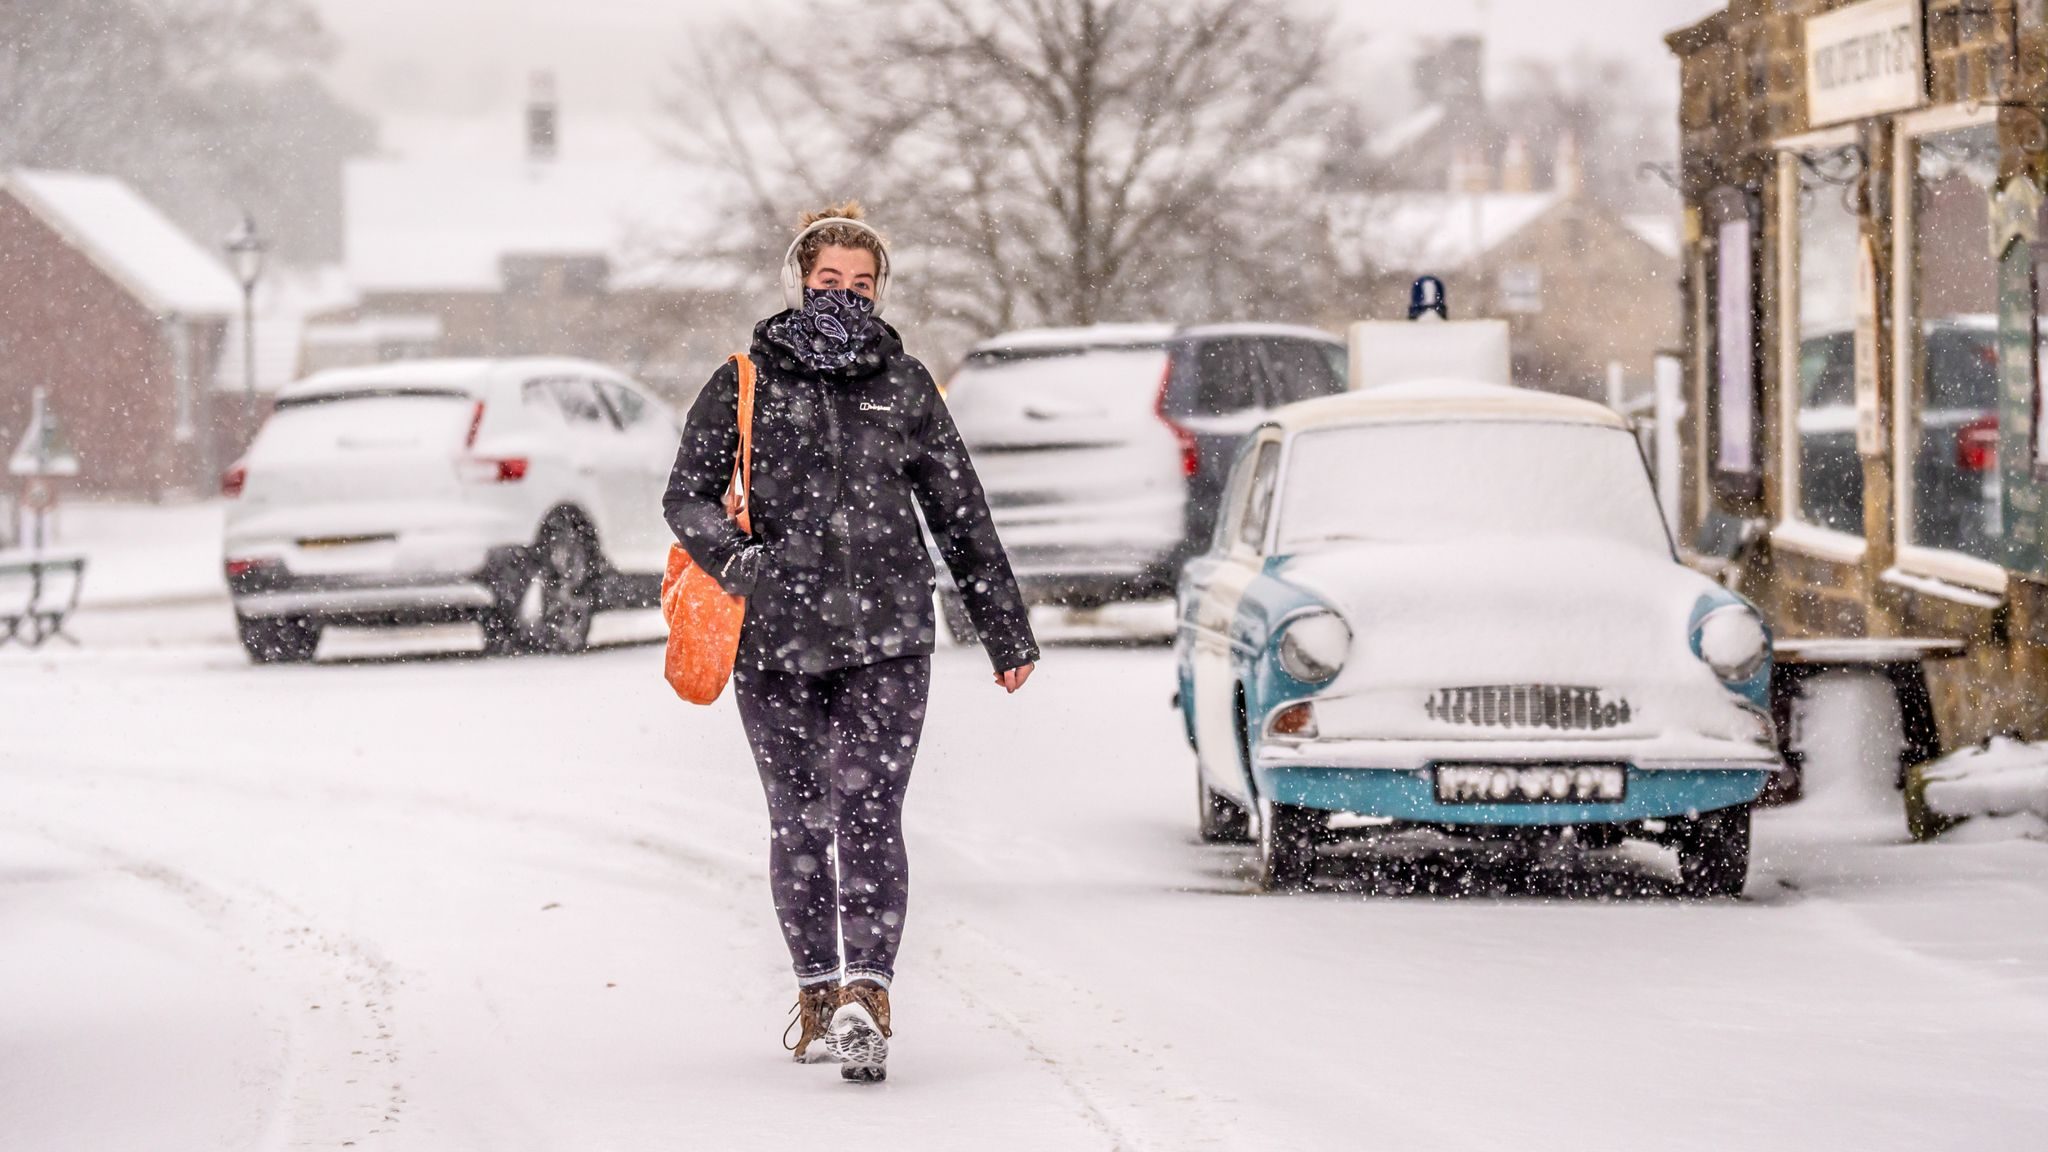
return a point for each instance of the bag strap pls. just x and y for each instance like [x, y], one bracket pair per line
[743, 461]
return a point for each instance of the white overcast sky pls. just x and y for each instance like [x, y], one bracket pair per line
[472, 57]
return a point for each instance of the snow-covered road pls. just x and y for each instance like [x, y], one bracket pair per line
[457, 903]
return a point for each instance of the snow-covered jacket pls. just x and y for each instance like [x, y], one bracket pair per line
[841, 460]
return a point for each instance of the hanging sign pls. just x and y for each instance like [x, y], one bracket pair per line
[1869, 429]
[1864, 60]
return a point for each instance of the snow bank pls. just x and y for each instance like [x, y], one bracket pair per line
[1846, 727]
[2003, 778]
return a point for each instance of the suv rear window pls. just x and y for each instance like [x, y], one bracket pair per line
[1299, 370]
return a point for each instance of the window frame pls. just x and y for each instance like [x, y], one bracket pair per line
[1259, 459]
[1945, 564]
[1791, 529]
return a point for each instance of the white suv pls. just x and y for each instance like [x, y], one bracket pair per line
[524, 494]
[1104, 450]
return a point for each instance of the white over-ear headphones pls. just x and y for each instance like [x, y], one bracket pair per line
[793, 273]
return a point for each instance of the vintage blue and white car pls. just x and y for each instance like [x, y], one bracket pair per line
[1456, 606]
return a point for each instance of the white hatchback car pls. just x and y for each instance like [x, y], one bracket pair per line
[523, 494]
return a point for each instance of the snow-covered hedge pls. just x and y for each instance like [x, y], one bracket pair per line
[2002, 778]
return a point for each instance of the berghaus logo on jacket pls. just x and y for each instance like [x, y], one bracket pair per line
[874, 406]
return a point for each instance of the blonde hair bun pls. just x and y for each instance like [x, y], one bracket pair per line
[848, 210]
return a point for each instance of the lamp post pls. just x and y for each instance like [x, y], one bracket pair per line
[246, 249]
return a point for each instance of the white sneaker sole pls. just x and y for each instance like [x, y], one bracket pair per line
[858, 1045]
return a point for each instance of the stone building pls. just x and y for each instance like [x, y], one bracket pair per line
[1584, 288]
[1865, 442]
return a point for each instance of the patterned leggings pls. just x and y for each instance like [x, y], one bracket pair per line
[835, 752]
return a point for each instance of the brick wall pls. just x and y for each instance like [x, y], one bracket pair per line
[66, 326]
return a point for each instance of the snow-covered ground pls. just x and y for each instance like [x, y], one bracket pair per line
[456, 903]
[137, 553]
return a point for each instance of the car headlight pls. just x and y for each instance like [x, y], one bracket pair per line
[1733, 643]
[1313, 647]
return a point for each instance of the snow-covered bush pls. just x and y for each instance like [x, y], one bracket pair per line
[2002, 778]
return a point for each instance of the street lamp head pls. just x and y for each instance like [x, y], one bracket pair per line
[246, 249]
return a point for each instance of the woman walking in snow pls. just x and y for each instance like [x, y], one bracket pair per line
[850, 435]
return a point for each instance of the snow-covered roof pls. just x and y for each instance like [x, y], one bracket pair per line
[1657, 230]
[1436, 400]
[130, 240]
[1404, 133]
[449, 199]
[1432, 231]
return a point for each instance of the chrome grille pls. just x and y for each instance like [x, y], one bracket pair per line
[1551, 707]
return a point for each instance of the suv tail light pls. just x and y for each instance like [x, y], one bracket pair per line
[233, 481]
[1977, 444]
[476, 424]
[507, 470]
[1190, 448]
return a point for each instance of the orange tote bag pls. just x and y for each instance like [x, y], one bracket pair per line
[703, 621]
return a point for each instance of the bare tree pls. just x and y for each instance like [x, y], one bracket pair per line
[1047, 161]
[208, 106]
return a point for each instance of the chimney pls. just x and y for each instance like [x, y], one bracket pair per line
[542, 127]
[1469, 171]
[1569, 169]
[1515, 172]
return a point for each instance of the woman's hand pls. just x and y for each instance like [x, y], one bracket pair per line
[1015, 677]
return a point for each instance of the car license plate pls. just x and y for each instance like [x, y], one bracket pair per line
[328, 543]
[1531, 783]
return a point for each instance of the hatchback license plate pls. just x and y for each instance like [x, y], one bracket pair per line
[1531, 783]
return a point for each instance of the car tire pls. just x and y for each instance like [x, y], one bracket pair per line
[278, 639]
[1288, 837]
[550, 606]
[1713, 854]
[1221, 819]
[959, 625]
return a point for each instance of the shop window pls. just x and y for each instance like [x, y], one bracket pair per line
[1950, 416]
[1828, 468]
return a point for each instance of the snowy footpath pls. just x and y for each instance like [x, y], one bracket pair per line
[452, 903]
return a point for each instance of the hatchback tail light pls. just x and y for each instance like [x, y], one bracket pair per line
[234, 480]
[476, 424]
[1977, 444]
[1190, 448]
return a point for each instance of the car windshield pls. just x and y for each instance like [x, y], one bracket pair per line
[1432, 483]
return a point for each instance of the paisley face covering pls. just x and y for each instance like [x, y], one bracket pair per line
[835, 327]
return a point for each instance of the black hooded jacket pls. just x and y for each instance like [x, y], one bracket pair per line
[841, 458]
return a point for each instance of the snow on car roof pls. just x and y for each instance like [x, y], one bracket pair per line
[1094, 336]
[466, 375]
[1297, 331]
[1440, 400]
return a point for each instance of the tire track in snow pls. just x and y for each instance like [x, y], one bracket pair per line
[330, 1086]
[1119, 1083]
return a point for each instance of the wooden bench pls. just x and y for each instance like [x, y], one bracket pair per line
[36, 596]
[1902, 662]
